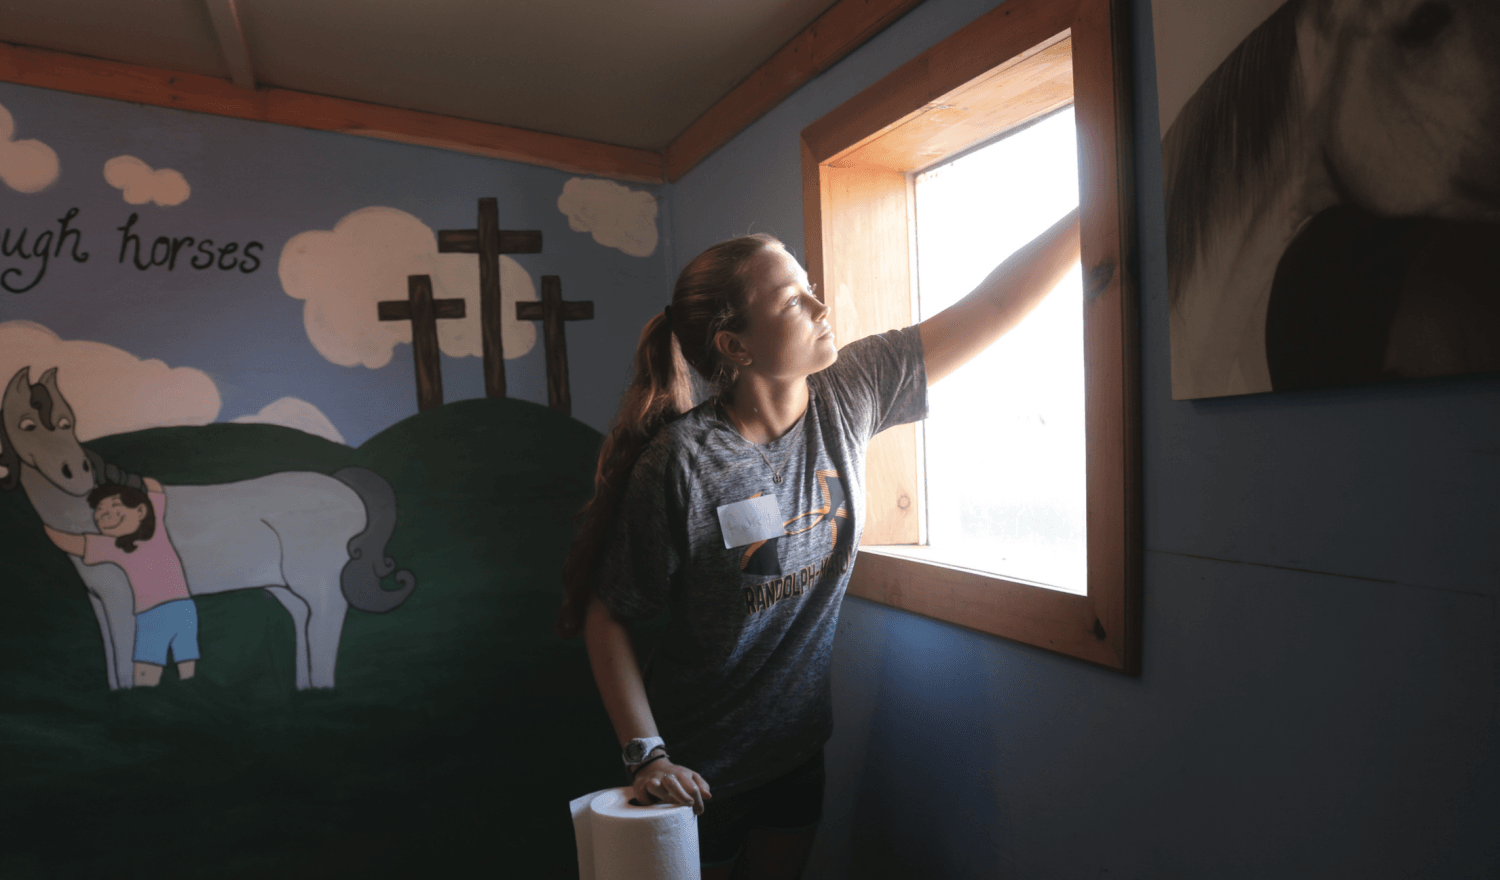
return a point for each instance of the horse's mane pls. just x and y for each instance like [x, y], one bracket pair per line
[10, 460]
[1228, 146]
[42, 402]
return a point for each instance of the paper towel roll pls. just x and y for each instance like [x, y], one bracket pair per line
[617, 841]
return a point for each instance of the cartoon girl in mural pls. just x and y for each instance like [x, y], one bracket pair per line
[165, 616]
[741, 516]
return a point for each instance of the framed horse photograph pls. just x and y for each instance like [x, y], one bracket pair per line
[1332, 172]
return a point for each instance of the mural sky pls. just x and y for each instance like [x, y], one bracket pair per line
[183, 269]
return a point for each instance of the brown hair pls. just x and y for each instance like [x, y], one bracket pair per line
[130, 497]
[710, 296]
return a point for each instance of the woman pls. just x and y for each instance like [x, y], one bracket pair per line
[740, 517]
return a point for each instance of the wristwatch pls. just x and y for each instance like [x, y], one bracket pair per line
[637, 749]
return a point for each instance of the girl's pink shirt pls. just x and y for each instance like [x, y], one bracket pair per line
[154, 570]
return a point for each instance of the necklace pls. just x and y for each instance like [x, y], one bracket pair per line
[775, 474]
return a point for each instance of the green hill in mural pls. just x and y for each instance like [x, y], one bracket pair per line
[459, 727]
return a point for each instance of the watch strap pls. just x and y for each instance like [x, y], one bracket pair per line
[637, 750]
[656, 755]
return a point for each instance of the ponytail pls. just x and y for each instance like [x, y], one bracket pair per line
[710, 296]
[659, 392]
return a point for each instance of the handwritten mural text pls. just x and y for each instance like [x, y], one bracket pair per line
[27, 255]
[42, 247]
[165, 251]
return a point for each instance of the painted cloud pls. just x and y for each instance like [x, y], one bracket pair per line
[111, 390]
[344, 272]
[141, 184]
[618, 216]
[292, 412]
[25, 166]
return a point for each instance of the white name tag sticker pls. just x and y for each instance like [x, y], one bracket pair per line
[751, 520]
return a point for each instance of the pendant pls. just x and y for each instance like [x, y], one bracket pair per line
[775, 479]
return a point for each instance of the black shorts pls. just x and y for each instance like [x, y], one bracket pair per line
[789, 803]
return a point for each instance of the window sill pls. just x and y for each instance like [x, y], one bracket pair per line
[938, 556]
[905, 577]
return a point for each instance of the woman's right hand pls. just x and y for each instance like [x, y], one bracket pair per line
[661, 780]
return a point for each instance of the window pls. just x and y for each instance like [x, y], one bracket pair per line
[1003, 445]
[1022, 64]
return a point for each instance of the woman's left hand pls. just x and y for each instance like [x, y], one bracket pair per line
[661, 780]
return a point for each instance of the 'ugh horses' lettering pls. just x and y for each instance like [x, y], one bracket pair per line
[21, 245]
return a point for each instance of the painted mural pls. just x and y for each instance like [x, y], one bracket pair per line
[253, 565]
[314, 542]
[1332, 190]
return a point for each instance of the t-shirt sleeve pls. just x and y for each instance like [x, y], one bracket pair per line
[100, 548]
[159, 502]
[881, 380]
[640, 555]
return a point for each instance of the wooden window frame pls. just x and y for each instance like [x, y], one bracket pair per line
[1007, 67]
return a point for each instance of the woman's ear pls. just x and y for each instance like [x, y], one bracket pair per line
[731, 348]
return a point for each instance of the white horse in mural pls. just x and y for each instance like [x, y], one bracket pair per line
[315, 542]
[1389, 106]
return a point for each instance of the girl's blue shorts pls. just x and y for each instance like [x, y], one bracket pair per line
[168, 625]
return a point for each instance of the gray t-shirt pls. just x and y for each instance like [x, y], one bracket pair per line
[739, 682]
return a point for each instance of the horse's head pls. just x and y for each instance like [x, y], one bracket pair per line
[36, 430]
[1410, 93]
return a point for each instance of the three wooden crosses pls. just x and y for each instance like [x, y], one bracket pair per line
[489, 241]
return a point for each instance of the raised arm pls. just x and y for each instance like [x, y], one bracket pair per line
[1006, 296]
[66, 541]
[618, 675]
[152, 485]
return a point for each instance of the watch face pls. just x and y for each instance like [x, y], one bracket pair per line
[635, 751]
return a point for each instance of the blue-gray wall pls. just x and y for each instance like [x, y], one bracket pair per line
[1320, 663]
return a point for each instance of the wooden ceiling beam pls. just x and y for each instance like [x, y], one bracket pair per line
[842, 28]
[236, 54]
[64, 72]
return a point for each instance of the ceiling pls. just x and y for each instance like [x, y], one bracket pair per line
[632, 73]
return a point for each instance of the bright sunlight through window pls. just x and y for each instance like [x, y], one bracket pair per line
[1004, 443]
